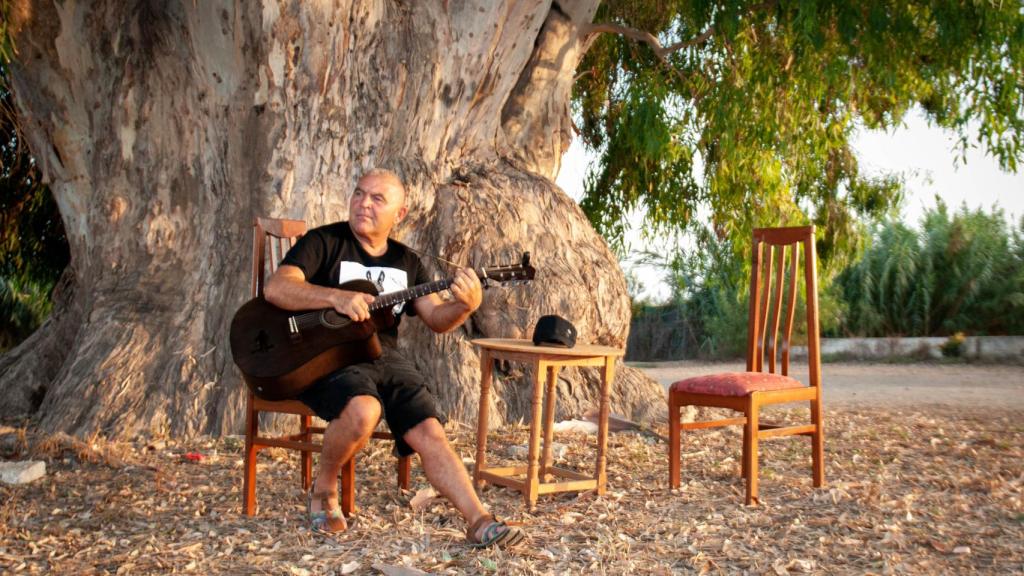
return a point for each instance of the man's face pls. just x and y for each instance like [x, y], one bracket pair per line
[376, 205]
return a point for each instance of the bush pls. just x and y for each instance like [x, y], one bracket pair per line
[953, 346]
[962, 272]
[33, 248]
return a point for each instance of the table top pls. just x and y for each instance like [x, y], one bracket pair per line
[517, 345]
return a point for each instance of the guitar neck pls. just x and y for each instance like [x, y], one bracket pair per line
[393, 298]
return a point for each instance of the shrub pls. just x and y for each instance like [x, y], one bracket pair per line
[962, 272]
[953, 346]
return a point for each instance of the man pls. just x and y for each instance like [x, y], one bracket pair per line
[352, 398]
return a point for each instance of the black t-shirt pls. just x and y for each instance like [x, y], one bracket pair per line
[331, 255]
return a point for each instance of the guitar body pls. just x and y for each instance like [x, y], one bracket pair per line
[280, 356]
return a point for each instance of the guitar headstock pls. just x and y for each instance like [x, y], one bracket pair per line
[510, 274]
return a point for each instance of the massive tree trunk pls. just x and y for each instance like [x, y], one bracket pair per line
[164, 127]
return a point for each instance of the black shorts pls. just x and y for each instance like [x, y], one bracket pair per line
[392, 379]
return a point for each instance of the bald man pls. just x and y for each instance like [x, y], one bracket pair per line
[351, 399]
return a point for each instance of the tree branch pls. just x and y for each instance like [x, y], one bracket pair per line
[639, 36]
[702, 38]
[651, 40]
[647, 38]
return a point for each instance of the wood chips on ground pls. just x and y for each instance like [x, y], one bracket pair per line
[908, 492]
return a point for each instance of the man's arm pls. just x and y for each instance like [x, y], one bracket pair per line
[443, 316]
[288, 289]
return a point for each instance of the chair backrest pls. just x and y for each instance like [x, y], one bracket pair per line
[271, 237]
[773, 249]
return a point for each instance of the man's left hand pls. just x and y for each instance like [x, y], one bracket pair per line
[466, 289]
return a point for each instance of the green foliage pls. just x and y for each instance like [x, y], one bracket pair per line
[719, 294]
[749, 118]
[707, 314]
[33, 249]
[7, 49]
[708, 310]
[953, 346]
[24, 305]
[961, 273]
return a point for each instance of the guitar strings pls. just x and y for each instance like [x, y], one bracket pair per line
[312, 318]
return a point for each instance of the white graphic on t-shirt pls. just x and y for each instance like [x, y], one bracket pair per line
[386, 279]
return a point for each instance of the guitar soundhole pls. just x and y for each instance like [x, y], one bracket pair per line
[262, 342]
[332, 319]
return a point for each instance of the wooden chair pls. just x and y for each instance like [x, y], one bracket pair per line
[748, 391]
[277, 236]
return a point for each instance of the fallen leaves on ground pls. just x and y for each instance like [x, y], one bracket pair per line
[912, 492]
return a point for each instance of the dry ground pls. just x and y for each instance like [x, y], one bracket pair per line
[918, 489]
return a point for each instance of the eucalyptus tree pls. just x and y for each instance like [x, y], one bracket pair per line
[742, 112]
[163, 128]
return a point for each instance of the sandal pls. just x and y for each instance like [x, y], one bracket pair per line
[498, 533]
[328, 520]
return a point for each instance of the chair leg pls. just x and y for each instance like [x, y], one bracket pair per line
[307, 456]
[750, 448]
[249, 483]
[348, 486]
[673, 441]
[744, 464]
[404, 466]
[818, 442]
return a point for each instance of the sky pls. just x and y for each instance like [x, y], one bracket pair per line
[925, 155]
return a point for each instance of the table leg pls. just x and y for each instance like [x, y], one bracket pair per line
[549, 420]
[607, 377]
[531, 484]
[486, 365]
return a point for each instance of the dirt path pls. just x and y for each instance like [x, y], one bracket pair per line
[890, 385]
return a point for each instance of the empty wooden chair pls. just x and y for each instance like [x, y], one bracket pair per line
[271, 240]
[766, 380]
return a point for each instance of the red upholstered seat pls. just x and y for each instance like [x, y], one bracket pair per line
[735, 383]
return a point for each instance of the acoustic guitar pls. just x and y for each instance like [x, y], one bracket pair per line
[282, 352]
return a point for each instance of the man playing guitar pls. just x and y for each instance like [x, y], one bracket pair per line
[351, 399]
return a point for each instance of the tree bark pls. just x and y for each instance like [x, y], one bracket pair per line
[163, 128]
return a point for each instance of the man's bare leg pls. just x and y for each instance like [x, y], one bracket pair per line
[343, 437]
[444, 468]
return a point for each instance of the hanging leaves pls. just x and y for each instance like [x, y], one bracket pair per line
[744, 116]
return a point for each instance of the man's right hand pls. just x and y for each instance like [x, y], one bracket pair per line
[355, 305]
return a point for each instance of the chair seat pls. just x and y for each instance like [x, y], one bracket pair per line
[284, 406]
[735, 383]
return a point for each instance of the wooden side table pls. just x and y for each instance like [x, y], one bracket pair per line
[539, 472]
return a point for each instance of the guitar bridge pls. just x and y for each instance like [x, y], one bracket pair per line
[293, 328]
